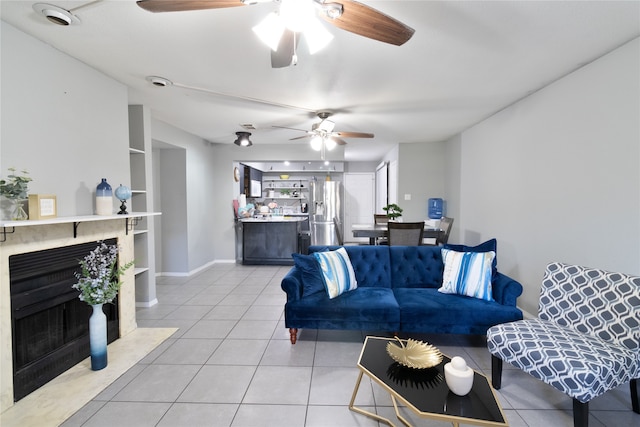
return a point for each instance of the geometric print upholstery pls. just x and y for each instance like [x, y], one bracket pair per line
[580, 365]
[586, 339]
[595, 302]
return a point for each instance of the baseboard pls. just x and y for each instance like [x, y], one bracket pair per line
[146, 304]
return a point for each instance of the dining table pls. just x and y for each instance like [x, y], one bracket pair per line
[376, 231]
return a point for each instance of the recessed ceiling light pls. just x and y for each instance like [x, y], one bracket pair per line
[56, 14]
[159, 81]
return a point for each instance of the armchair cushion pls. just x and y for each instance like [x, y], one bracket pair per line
[580, 365]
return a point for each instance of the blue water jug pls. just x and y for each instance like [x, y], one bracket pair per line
[435, 208]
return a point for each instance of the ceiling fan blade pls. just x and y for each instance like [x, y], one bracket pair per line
[182, 5]
[353, 134]
[339, 141]
[368, 22]
[299, 137]
[283, 57]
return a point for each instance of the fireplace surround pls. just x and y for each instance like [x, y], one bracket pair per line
[49, 323]
[32, 236]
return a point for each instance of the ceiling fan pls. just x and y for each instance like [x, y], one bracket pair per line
[281, 30]
[323, 136]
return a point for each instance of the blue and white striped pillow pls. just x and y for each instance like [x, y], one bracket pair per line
[337, 272]
[467, 273]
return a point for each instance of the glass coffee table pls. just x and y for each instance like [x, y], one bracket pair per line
[425, 391]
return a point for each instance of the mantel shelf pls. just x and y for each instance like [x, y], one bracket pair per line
[130, 218]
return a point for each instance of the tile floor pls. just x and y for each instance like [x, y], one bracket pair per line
[231, 364]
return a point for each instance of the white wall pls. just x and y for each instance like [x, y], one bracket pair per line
[197, 197]
[556, 177]
[64, 122]
[421, 176]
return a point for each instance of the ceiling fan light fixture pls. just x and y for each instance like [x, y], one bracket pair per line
[243, 140]
[316, 143]
[326, 125]
[330, 144]
[270, 30]
[317, 36]
[332, 10]
[297, 14]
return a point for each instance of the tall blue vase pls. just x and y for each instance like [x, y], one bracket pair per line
[98, 338]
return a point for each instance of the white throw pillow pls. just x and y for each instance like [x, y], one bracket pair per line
[337, 272]
[467, 273]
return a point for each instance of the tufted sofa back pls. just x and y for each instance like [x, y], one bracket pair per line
[394, 266]
[595, 302]
[416, 266]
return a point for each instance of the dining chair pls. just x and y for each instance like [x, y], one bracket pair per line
[381, 219]
[405, 233]
[445, 230]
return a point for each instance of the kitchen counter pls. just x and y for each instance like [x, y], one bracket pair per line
[272, 218]
[270, 240]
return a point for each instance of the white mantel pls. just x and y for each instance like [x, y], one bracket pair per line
[29, 236]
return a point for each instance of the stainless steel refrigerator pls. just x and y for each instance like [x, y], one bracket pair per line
[325, 204]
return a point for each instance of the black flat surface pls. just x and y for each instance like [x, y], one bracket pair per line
[426, 389]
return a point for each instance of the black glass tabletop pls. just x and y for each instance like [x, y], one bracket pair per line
[426, 389]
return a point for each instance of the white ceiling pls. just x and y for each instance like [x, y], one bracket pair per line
[465, 62]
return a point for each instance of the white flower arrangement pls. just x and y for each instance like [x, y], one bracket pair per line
[99, 281]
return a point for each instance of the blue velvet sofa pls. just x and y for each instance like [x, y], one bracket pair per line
[397, 291]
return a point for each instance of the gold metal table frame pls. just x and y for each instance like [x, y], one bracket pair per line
[396, 396]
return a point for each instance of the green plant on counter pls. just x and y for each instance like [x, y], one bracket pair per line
[393, 211]
[285, 192]
[15, 186]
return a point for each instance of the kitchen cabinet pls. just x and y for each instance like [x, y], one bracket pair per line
[270, 242]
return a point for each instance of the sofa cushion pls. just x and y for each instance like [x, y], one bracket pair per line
[467, 273]
[427, 310]
[337, 272]
[416, 266]
[488, 246]
[367, 308]
[309, 273]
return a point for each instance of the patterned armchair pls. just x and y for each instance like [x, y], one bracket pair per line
[585, 341]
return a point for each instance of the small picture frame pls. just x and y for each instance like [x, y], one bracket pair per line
[42, 206]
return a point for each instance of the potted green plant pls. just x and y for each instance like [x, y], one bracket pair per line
[393, 211]
[15, 189]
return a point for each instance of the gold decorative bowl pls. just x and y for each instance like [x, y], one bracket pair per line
[284, 176]
[414, 354]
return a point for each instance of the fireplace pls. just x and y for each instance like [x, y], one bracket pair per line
[50, 330]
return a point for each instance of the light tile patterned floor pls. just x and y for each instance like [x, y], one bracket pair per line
[231, 364]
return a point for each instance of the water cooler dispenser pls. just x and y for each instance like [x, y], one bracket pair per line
[435, 208]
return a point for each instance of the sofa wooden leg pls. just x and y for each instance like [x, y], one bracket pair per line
[634, 395]
[580, 413]
[496, 372]
[293, 335]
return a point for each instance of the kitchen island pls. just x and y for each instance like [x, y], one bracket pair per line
[270, 240]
